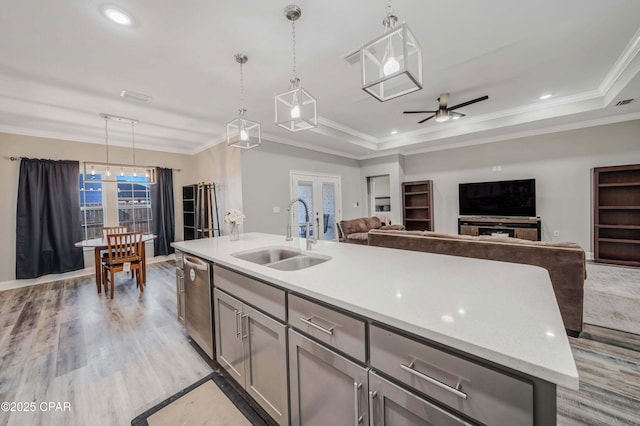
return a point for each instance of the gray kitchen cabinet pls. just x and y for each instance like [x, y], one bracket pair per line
[390, 405]
[326, 388]
[482, 393]
[252, 347]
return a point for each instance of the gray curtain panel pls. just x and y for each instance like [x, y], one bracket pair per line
[164, 218]
[48, 220]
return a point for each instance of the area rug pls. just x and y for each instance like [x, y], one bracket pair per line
[208, 402]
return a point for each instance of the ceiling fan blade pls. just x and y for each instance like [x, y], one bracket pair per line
[484, 98]
[444, 100]
[456, 114]
[428, 118]
[418, 112]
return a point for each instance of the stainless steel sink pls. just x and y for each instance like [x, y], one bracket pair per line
[265, 255]
[281, 258]
[299, 262]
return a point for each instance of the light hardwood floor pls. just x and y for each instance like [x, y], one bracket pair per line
[114, 359]
[110, 359]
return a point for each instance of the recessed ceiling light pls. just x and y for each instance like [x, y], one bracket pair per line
[545, 96]
[394, 132]
[117, 15]
[456, 117]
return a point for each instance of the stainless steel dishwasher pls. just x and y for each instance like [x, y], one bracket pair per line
[197, 294]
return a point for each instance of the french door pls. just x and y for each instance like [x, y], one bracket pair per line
[323, 196]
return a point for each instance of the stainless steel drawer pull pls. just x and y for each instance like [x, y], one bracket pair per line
[356, 397]
[409, 369]
[372, 417]
[242, 325]
[307, 321]
[237, 312]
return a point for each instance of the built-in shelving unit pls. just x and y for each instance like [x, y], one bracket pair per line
[616, 215]
[417, 205]
[189, 211]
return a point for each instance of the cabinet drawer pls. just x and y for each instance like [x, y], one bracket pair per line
[343, 332]
[269, 299]
[390, 405]
[482, 393]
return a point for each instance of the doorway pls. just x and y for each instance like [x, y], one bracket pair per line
[379, 197]
[323, 196]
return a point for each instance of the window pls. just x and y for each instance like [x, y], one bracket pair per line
[118, 197]
[91, 207]
[134, 203]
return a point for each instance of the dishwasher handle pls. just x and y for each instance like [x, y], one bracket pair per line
[196, 263]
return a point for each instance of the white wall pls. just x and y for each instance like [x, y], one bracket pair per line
[393, 166]
[221, 164]
[257, 180]
[560, 162]
[266, 183]
[54, 149]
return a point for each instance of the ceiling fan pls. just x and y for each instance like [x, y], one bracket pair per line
[444, 113]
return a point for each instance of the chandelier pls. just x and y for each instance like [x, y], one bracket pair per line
[392, 62]
[295, 108]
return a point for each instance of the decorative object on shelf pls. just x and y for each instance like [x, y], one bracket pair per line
[295, 109]
[241, 132]
[444, 113]
[392, 62]
[234, 218]
[101, 172]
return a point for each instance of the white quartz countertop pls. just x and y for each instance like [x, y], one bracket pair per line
[502, 312]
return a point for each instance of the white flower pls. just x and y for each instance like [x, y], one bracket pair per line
[234, 216]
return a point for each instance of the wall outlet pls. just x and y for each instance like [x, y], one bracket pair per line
[556, 233]
[356, 204]
[276, 209]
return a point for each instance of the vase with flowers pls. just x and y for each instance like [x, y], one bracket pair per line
[234, 218]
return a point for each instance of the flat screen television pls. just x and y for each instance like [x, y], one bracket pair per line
[502, 198]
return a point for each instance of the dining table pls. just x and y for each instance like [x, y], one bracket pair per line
[99, 244]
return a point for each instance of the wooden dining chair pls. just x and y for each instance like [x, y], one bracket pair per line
[108, 230]
[123, 249]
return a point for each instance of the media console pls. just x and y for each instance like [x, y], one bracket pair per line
[525, 228]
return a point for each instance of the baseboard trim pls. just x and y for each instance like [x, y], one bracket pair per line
[12, 284]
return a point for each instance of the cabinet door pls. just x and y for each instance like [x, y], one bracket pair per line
[326, 389]
[229, 351]
[180, 294]
[469, 230]
[527, 233]
[265, 348]
[393, 406]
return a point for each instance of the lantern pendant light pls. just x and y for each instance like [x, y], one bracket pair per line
[295, 109]
[243, 133]
[392, 62]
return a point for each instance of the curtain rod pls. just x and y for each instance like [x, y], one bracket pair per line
[12, 158]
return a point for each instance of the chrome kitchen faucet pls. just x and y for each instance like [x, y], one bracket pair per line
[306, 219]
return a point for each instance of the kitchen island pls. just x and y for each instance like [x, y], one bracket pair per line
[500, 316]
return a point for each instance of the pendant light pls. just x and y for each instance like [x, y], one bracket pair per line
[296, 109]
[128, 172]
[392, 62]
[133, 148]
[243, 133]
[106, 140]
